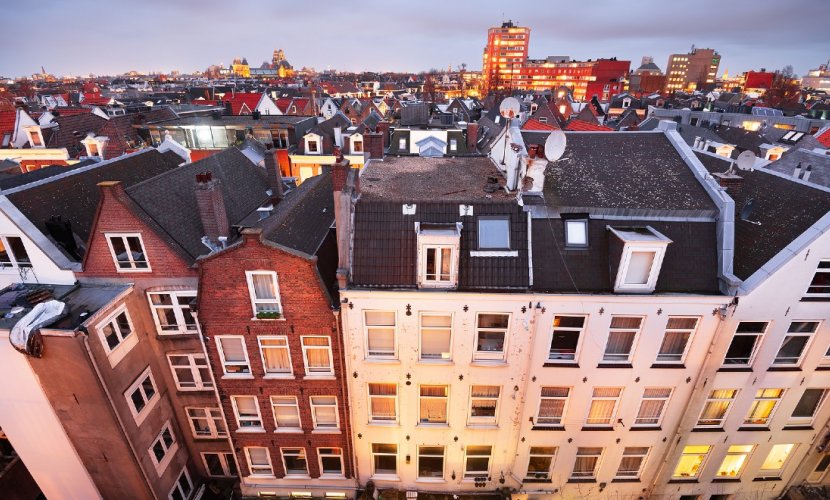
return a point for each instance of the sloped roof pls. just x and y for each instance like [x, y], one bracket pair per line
[578, 125]
[534, 124]
[819, 164]
[7, 121]
[302, 220]
[824, 138]
[239, 99]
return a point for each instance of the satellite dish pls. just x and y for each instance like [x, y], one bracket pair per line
[510, 107]
[746, 160]
[555, 145]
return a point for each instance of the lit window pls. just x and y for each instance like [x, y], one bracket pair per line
[735, 460]
[807, 407]
[383, 402]
[493, 234]
[259, 461]
[454, 144]
[13, 253]
[402, 144]
[324, 412]
[745, 343]
[623, 332]
[653, 406]
[265, 294]
[436, 336]
[491, 336]
[484, 404]
[128, 252]
[631, 465]
[190, 371]
[206, 422]
[763, 406]
[142, 395]
[433, 404]
[171, 312]
[477, 461]
[586, 463]
[691, 462]
[539, 463]
[331, 461]
[246, 410]
[163, 448]
[295, 462]
[773, 465]
[286, 413]
[385, 459]
[676, 340]
[317, 355]
[220, 464]
[567, 330]
[603, 406]
[795, 343]
[183, 487]
[276, 358]
[380, 334]
[819, 288]
[234, 355]
[552, 406]
[431, 462]
[716, 407]
[576, 233]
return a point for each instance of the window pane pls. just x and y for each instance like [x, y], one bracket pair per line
[639, 268]
[494, 233]
[808, 404]
[576, 232]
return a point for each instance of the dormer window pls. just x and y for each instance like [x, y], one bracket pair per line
[357, 146]
[543, 119]
[438, 246]
[626, 103]
[576, 233]
[128, 252]
[641, 251]
[35, 137]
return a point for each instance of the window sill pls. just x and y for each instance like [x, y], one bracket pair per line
[784, 369]
[333, 476]
[580, 480]
[546, 428]
[297, 476]
[288, 431]
[815, 299]
[193, 389]
[645, 428]
[598, 428]
[261, 476]
[494, 253]
[268, 319]
[439, 425]
[382, 361]
[489, 363]
[798, 428]
[626, 480]
[250, 431]
[560, 364]
[822, 368]
[535, 480]
[482, 427]
[385, 477]
[726, 480]
[243, 376]
[708, 429]
[276, 376]
[432, 480]
[762, 429]
[676, 366]
[690, 480]
[442, 362]
[769, 478]
[615, 365]
[735, 369]
[326, 431]
[175, 335]
[319, 377]
[384, 424]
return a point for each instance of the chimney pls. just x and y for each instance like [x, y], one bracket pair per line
[272, 168]
[373, 144]
[383, 128]
[797, 172]
[211, 207]
[340, 173]
[732, 183]
[344, 186]
[472, 137]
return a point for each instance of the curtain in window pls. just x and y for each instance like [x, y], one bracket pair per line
[650, 411]
[325, 408]
[485, 391]
[259, 456]
[555, 392]
[380, 318]
[551, 408]
[264, 286]
[619, 345]
[446, 261]
[601, 411]
[246, 406]
[584, 466]
[233, 349]
[287, 415]
[317, 357]
[435, 343]
[381, 339]
[276, 356]
[630, 466]
[714, 410]
[760, 411]
[674, 343]
[383, 407]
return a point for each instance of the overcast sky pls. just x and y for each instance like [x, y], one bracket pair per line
[74, 37]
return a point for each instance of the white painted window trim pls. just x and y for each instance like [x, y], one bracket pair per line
[262, 349]
[312, 138]
[759, 337]
[634, 342]
[802, 421]
[471, 475]
[579, 342]
[482, 356]
[614, 410]
[252, 292]
[381, 476]
[126, 344]
[132, 268]
[666, 400]
[302, 454]
[320, 456]
[201, 385]
[178, 312]
[150, 403]
[225, 364]
[308, 373]
[240, 419]
[597, 465]
[476, 421]
[780, 471]
[692, 334]
[314, 406]
[169, 452]
[642, 463]
[14, 262]
[250, 464]
[429, 479]
[224, 462]
[810, 338]
[776, 405]
[542, 398]
[536, 475]
[212, 415]
[368, 328]
[34, 130]
[421, 335]
[819, 270]
[372, 419]
[295, 405]
[176, 485]
[446, 400]
[657, 247]
[729, 406]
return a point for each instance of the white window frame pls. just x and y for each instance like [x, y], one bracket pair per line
[249, 277]
[430, 455]
[735, 453]
[668, 330]
[282, 401]
[820, 470]
[178, 312]
[453, 144]
[133, 263]
[149, 403]
[779, 471]
[497, 356]
[177, 485]
[761, 396]
[251, 472]
[636, 453]
[294, 451]
[263, 348]
[712, 399]
[634, 341]
[657, 244]
[367, 332]
[315, 406]
[614, 409]
[542, 398]
[321, 452]
[375, 454]
[34, 131]
[125, 343]
[789, 361]
[823, 267]
[583, 223]
[240, 418]
[653, 397]
[541, 452]
[468, 474]
[445, 399]
[563, 357]
[808, 421]
[758, 338]
[15, 261]
[438, 239]
[199, 383]
[373, 418]
[478, 420]
[445, 357]
[305, 348]
[226, 364]
[169, 450]
[212, 416]
[437, 281]
[597, 465]
[225, 459]
[700, 466]
[499, 219]
[311, 140]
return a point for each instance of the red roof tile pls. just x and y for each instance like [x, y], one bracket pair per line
[283, 103]
[204, 102]
[824, 138]
[581, 126]
[243, 102]
[96, 100]
[534, 124]
[7, 121]
[70, 111]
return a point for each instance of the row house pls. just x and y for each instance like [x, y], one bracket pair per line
[548, 329]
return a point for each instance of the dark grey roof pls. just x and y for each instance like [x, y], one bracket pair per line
[689, 132]
[39, 174]
[415, 114]
[820, 163]
[640, 172]
[784, 209]
[303, 219]
[169, 200]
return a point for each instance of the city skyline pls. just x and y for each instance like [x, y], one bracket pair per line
[431, 36]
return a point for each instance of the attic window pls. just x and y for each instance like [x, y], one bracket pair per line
[576, 233]
[312, 146]
[35, 137]
[543, 119]
[438, 247]
[128, 252]
[626, 103]
[493, 233]
[641, 256]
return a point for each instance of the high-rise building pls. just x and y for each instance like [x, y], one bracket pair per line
[504, 55]
[692, 71]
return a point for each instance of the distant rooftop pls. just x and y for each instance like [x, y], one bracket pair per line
[233, 120]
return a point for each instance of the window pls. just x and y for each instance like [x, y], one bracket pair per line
[402, 144]
[128, 252]
[603, 406]
[13, 253]
[220, 464]
[576, 233]
[676, 339]
[312, 147]
[453, 144]
[745, 343]
[543, 119]
[233, 354]
[820, 471]
[264, 291]
[640, 260]
[820, 285]
[484, 404]
[206, 422]
[142, 396]
[438, 264]
[621, 337]
[331, 461]
[552, 406]
[295, 462]
[383, 402]
[653, 406]
[114, 331]
[286, 413]
[438, 246]
[259, 461]
[357, 146]
[317, 355]
[385, 459]
[639, 268]
[633, 459]
[433, 404]
[763, 406]
[477, 461]
[183, 487]
[567, 330]
[380, 334]
[716, 407]
[491, 336]
[493, 234]
[276, 358]
[691, 461]
[190, 371]
[436, 336]
[324, 412]
[431, 462]
[540, 461]
[163, 448]
[734, 461]
[807, 407]
[798, 336]
[773, 465]
[171, 312]
[246, 409]
[586, 463]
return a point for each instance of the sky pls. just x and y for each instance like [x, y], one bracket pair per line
[79, 37]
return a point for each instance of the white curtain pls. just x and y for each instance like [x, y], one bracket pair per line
[264, 286]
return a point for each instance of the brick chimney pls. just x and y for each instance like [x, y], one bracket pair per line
[373, 144]
[272, 168]
[472, 137]
[383, 128]
[731, 182]
[211, 206]
[346, 185]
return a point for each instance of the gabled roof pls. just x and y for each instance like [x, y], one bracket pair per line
[303, 219]
[586, 114]
[817, 162]
[243, 102]
[577, 125]
[534, 124]
[824, 137]
[8, 119]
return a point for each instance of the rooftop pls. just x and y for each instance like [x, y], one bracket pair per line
[244, 120]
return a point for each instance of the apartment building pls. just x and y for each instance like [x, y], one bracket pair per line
[695, 70]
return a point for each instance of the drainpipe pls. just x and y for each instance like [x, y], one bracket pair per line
[100, 377]
[340, 321]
